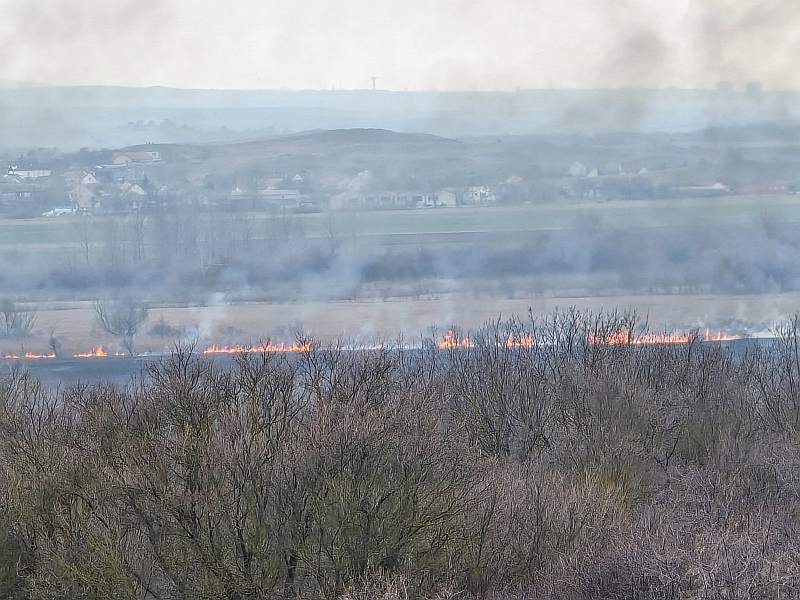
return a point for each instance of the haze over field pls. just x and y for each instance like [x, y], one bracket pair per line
[555, 150]
[465, 68]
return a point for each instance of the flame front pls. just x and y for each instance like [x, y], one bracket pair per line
[304, 346]
[624, 337]
[451, 341]
[523, 341]
[29, 356]
[97, 352]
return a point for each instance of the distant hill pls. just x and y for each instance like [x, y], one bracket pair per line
[310, 143]
[363, 136]
[329, 154]
[96, 117]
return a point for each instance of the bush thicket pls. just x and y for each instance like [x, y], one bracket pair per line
[569, 468]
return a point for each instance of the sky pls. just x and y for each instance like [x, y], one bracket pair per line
[407, 44]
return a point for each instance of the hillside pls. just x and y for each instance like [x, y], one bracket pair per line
[96, 117]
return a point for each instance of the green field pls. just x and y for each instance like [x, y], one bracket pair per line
[628, 214]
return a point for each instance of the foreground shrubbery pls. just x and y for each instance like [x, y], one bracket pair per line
[566, 469]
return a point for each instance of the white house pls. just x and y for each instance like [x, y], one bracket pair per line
[132, 188]
[447, 198]
[14, 171]
[480, 195]
[89, 179]
[143, 156]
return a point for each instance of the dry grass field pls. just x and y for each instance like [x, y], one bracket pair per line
[75, 326]
[387, 309]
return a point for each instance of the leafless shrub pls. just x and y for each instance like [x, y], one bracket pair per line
[53, 343]
[577, 466]
[121, 318]
[17, 322]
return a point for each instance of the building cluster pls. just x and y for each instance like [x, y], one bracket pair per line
[126, 159]
[632, 180]
[29, 188]
[400, 200]
[295, 193]
[21, 175]
[25, 185]
[142, 179]
[91, 194]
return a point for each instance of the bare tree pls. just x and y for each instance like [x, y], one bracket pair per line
[16, 322]
[121, 318]
[137, 229]
[85, 239]
[54, 343]
[550, 458]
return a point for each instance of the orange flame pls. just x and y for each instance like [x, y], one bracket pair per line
[719, 337]
[29, 356]
[451, 341]
[239, 349]
[523, 341]
[625, 337]
[97, 352]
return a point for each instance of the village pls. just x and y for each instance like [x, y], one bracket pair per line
[150, 177]
[127, 185]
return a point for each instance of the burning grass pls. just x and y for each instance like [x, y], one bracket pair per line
[29, 356]
[630, 337]
[451, 340]
[304, 346]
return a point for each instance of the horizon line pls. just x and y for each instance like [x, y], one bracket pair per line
[735, 89]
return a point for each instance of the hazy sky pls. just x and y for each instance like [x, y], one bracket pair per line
[409, 44]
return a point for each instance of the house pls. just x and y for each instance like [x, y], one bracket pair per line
[138, 157]
[14, 171]
[132, 188]
[424, 200]
[386, 200]
[61, 211]
[84, 199]
[23, 200]
[89, 180]
[480, 196]
[716, 189]
[268, 198]
[17, 194]
[405, 200]
[447, 198]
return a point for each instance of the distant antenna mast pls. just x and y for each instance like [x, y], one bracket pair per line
[374, 81]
